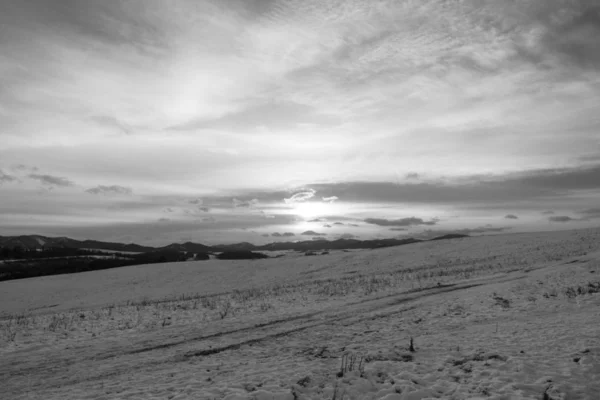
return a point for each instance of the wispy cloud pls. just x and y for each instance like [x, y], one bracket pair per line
[300, 196]
[511, 216]
[591, 213]
[5, 177]
[51, 180]
[561, 218]
[244, 203]
[313, 233]
[112, 123]
[110, 190]
[285, 234]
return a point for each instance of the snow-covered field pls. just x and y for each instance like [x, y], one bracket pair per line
[497, 317]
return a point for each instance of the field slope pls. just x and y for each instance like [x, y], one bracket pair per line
[498, 317]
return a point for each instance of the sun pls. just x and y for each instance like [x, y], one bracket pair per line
[310, 210]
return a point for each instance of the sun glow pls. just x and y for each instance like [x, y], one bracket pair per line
[308, 210]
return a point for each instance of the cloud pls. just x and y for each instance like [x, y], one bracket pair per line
[412, 175]
[398, 229]
[326, 226]
[267, 114]
[582, 178]
[265, 235]
[50, 180]
[547, 212]
[330, 199]
[347, 236]
[108, 190]
[511, 216]
[591, 213]
[164, 220]
[355, 225]
[113, 123]
[399, 222]
[300, 196]
[489, 188]
[312, 233]
[244, 203]
[288, 234]
[338, 223]
[267, 216]
[23, 168]
[561, 218]
[276, 234]
[572, 36]
[197, 201]
[590, 157]
[5, 178]
[195, 211]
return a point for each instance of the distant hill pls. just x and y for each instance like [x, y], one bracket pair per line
[243, 246]
[450, 236]
[338, 244]
[187, 247]
[94, 244]
[27, 242]
[29, 256]
[38, 242]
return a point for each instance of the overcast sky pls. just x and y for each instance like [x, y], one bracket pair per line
[228, 120]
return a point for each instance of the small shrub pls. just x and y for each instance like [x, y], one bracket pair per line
[208, 302]
[501, 301]
[60, 321]
[226, 308]
[351, 362]
[9, 330]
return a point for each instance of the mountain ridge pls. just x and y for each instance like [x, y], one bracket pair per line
[35, 242]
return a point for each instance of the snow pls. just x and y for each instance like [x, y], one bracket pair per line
[523, 328]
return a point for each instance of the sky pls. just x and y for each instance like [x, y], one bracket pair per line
[223, 121]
